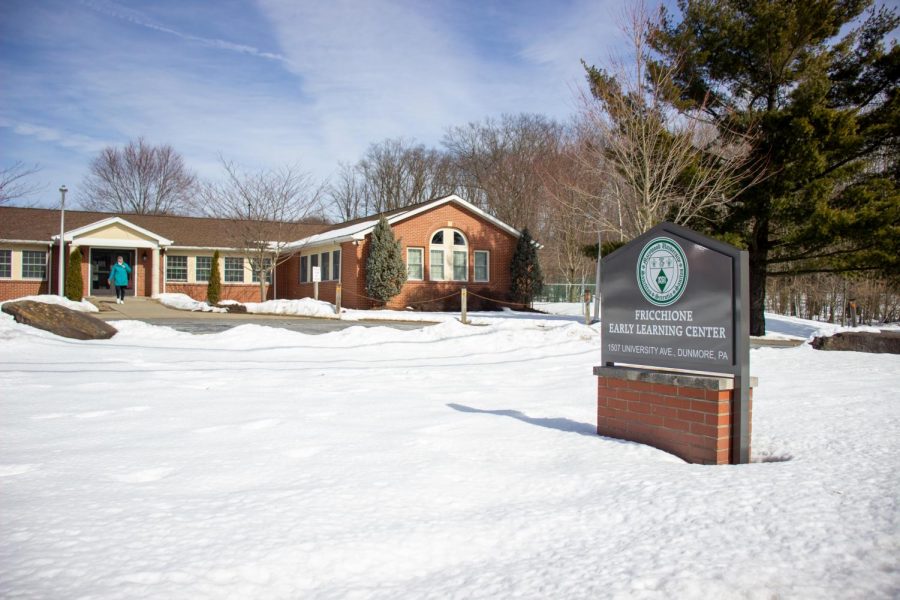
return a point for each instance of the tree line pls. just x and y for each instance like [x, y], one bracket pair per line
[770, 124]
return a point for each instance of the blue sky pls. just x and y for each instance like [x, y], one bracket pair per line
[277, 81]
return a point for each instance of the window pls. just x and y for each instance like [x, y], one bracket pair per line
[234, 269]
[304, 269]
[449, 256]
[460, 266]
[6, 263]
[202, 268]
[34, 264]
[336, 265]
[267, 265]
[482, 270]
[414, 264]
[176, 268]
[325, 263]
[436, 268]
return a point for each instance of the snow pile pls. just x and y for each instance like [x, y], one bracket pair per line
[306, 307]
[185, 302]
[446, 462]
[81, 306]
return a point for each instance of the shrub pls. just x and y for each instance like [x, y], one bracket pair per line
[214, 287]
[74, 280]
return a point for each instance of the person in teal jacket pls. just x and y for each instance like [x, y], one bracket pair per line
[118, 276]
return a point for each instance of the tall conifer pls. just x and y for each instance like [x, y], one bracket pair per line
[385, 271]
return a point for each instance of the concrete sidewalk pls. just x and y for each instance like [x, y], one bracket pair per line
[147, 309]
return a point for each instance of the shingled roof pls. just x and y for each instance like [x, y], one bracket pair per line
[40, 225]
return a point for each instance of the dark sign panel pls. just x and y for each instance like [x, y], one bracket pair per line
[672, 299]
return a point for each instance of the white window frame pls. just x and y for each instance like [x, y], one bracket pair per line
[336, 265]
[267, 265]
[197, 269]
[225, 270]
[42, 277]
[449, 251]
[325, 266]
[487, 266]
[169, 258]
[304, 269]
[8, 254]
[421, 263]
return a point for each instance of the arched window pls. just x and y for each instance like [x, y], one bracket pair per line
[449, 256]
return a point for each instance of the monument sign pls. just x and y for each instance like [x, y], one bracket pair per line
[676, 300]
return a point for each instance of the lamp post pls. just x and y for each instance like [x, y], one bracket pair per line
[62, 241]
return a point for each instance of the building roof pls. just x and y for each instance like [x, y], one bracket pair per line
[42, 225]
[358, 229]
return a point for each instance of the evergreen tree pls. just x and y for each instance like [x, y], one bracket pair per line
[824, 114]
[385, 271]
[214, 287]
[527, 280]
[74, 280]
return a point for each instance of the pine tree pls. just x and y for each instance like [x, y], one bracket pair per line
[817, 91]
[527, 280]
[74, 280]
[385, 271]
[214, 287]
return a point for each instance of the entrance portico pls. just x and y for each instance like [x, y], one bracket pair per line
[101, 242]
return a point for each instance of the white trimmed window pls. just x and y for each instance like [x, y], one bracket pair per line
[449, 255]
[325, 264]
[176, 268]
[267, 265]
[6, 264]
[34, 264]
[202, 268]
[304, 269]
[336, 265]
[482, 266]
[414, 266]
[234, 269]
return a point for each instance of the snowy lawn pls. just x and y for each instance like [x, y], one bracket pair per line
[448, 462]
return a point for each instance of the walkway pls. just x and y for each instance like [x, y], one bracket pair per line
[151, 311]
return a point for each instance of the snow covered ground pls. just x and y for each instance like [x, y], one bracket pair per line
[448, 462]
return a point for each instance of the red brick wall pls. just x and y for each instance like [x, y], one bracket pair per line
[691, 423]
[12, 288]
[416, 232]
[239, 292]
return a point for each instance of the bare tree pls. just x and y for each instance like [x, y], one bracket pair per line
[266, 210]
[498, 163]
[346, 194]
[14, 184]
[139, 179]
[662, 164]
[398, 173]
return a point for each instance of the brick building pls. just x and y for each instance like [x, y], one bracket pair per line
[447, 244]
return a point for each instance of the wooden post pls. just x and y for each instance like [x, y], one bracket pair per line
[337, 299]
[316, 290]
[463, 301]
[587, 307]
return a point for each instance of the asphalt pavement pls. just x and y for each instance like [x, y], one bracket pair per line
[151, 311]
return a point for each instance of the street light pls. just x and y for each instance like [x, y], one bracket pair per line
[62, 241]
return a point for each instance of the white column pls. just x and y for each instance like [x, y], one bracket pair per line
[154, 273]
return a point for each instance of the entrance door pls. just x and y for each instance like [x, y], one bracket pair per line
[102, 260]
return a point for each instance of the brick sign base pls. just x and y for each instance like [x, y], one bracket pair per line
[685, 414]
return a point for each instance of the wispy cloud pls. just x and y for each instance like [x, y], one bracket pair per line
[135, 17]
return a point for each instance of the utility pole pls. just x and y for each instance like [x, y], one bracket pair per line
[62, 241]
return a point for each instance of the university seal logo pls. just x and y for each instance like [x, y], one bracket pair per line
[662, 271]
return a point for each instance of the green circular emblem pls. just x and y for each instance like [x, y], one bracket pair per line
[662, 271]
